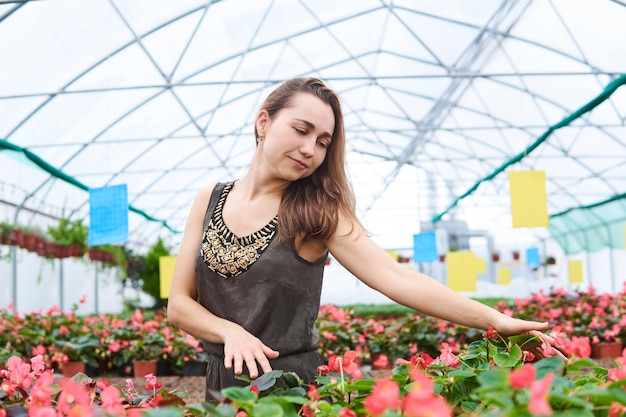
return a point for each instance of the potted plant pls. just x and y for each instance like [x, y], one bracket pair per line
[71, 234]
[5, 230]
[78, 351]
[145, 352]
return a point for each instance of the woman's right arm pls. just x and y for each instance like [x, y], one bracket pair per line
[184, 312]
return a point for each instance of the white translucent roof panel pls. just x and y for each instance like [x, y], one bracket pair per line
[437, 96]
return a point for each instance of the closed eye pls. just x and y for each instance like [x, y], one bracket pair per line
[300, 131]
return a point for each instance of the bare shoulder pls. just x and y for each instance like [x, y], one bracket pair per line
[348, 226]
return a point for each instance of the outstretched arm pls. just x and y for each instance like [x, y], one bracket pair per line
[374, 267]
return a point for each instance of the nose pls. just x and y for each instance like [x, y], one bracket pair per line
[307, 148]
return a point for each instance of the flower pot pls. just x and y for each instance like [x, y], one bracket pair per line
[61, 251]
[164, 368]
[16, 236]
[143, 368]
[442, 258]
[516, 255]
[16, 411]
[31, 242]
[495, 257]
[71, 368]
[96, 254]
[606, 350]
[194, 368]
[76, 251]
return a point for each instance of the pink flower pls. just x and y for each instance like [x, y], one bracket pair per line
[19, 372]
[74, 400]
[385, 395]
[345, 363]
[347, 413]
[538, 402]
[83, 299]
[492, 334]
[111, 401]
[578, 346]
[448, 357]
[523, 377]
[37, 364]
[381, 362]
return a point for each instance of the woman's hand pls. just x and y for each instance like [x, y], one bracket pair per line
[549, 344]
[242, 347]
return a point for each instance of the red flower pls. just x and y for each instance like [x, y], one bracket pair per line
[111, 401]
[347, 413]
[74, 400]
[523, 377]
[492, 334]
[578, 346]
[538, 402]
[345, 363]
[385, 395]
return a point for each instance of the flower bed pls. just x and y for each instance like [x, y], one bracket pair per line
[447, 368]
[492, 377]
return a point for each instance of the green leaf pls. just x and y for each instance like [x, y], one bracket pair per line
[267, 410]
[578, 364]
[495, 378]
[163, 412]
[267, 380]
[508, 359]
[522, 339]
[239, 394]
[292, 379]
[552, 364]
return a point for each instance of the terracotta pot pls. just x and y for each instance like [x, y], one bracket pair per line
[516, 256]
[442, 258]
[31, 241]
[72, 368]
[61, 251]
[606, 350]
[495, 257]
[16, 236]
[76, 251]
[143, 368]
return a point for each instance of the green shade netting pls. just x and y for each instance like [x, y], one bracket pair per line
[591, 228]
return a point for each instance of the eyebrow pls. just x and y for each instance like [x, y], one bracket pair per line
[312, 126]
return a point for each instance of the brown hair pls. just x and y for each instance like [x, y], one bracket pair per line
[310, 206]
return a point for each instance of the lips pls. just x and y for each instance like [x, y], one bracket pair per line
[299, 163]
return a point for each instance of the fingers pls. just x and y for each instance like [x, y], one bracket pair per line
[238, 359]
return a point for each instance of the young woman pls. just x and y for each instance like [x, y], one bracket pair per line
[248, 277]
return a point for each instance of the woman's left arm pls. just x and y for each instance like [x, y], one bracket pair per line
[351, 247]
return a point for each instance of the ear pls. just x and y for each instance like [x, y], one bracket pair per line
[262, 121]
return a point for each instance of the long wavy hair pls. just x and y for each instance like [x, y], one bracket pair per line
[310, 206]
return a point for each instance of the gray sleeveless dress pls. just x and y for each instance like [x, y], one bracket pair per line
[264, 286]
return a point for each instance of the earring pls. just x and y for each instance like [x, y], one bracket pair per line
[261, 138]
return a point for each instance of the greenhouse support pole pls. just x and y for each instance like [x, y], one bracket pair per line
[14, 289]
[61, 302]
[587, 267]
[612, 270]
[95, 292]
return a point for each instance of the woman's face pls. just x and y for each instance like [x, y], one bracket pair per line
[297, 138]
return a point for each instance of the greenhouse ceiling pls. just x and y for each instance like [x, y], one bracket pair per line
[441, 98]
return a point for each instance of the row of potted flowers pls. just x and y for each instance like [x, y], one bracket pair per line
[599, 317]
[57, 244]
[493, 376]
[109, 342]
